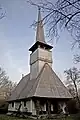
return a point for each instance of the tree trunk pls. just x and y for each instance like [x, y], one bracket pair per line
[77, 97]
[37, 108]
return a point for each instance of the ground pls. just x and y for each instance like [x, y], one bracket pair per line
[4, 117]
[72, 117]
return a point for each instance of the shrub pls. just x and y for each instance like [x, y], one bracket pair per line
[72, 107]
[3, 106]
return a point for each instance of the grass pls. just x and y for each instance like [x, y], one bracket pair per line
[72, 117]
[5, 117]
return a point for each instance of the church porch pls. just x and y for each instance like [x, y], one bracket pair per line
[24, 106]
[49, 106]
[39, 106]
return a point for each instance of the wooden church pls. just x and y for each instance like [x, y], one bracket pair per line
[41, 89]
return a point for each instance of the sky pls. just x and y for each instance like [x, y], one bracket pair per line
[16, 37]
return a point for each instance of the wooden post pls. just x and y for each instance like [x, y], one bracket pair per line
[37, 108]
[49, 108]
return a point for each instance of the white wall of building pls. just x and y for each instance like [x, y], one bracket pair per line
[33, 108]
[10, 108]
[23, 108]
[62, 106]
[43, 107]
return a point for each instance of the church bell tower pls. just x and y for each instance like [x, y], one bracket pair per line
[41, 51]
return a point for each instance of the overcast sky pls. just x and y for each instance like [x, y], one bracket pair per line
[16, 37]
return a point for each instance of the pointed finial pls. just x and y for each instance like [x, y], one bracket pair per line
[40, 31]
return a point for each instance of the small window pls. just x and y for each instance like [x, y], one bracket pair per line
[24, 103]
[12, 104]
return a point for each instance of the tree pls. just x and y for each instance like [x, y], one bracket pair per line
[71, 89]
[6, 86]
[73, 78]
[59, 15]
[62, 14]
[77, 58]
[2, 13]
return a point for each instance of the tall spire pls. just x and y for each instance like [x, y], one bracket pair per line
[40, 31]
[40, 39]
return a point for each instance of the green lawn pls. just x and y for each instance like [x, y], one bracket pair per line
[5, 117]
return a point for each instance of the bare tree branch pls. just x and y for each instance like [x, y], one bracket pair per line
[5, 84]
[59, 15]
[2, 13]
[65, 13]
[73, 78]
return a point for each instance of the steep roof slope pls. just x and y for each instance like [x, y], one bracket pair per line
[19, 88]
[47, 84]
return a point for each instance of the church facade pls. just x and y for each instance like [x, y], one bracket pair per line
[41, 90]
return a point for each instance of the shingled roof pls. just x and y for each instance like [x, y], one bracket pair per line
[47, 84]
